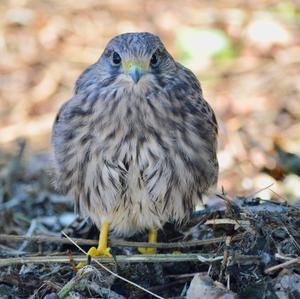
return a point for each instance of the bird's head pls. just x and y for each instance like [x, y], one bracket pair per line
[133, 58]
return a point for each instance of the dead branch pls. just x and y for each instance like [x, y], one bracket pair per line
[224, 221]
[225, 259]
[44, 238]
[283, 265]
[115, 243]
[155, 258]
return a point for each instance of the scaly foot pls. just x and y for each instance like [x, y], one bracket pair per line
[102, 249]
[152, 238]
[93, 252]
[144, 250]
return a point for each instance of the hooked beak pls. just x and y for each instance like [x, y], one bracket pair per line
[135, 70]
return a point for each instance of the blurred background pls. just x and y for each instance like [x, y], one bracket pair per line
[245, 53]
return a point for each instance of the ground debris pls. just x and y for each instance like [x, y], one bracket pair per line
[287, 285]
[202, 286]
[248, 244]
[92, 280]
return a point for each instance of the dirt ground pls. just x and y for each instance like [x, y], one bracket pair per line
[247, 245]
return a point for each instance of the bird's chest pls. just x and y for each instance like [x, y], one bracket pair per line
[134, 149]
[134, 145]
[134, 134]
[137, 152]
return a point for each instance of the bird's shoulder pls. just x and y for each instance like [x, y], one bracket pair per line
[192, 96]
[86, 78]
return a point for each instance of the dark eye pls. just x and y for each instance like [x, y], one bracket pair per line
[116, 59]
[154, 60]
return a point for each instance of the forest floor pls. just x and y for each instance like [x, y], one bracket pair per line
[244, 247]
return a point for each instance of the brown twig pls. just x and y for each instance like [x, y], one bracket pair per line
[293, 240]
[156, 258]
[44, 238]
[224, 221]
[283, 265]
[115, 243]
[225, 259]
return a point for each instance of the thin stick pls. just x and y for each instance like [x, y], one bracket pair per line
[115, 243]
[155, 258]
[291, 237]
[28, 234]
[282, 257]
[225, 259]
[283, 265]
[113, 273]
[45, 238]
[227, 221]
[260, 190]
[184, 275]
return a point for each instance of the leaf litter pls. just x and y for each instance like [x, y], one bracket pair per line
[254, 251]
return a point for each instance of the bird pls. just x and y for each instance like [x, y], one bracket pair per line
[136, 144]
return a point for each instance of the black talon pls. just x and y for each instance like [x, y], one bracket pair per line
[89, 260]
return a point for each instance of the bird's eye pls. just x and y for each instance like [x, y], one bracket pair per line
[116, 59]
[154, 60]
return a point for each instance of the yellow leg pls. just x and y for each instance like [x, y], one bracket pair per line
[102, 245]
[152, 238]
[102, 249]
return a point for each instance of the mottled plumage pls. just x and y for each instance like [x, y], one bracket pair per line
[136, 144]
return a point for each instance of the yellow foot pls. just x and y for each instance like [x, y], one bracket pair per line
[143, 250]
[93, 252]
[102, 249]
[152, 238]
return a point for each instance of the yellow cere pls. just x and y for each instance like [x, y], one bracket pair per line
[142, 66]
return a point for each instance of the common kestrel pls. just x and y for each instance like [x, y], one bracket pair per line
[136, 144]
